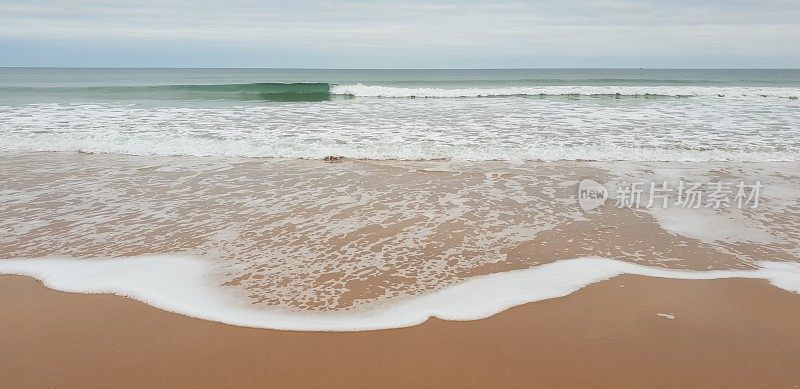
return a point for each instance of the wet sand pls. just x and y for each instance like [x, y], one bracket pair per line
[310, 235]
[731, 333]
[315, 236]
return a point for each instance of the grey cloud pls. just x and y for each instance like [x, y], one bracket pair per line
[506, 29]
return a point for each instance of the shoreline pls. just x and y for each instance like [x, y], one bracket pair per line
[616, 332]
[348, 237]
[182, 285]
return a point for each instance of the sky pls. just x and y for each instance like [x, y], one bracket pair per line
[401, 34]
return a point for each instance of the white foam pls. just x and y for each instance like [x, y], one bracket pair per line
[186, 285]
[739, 129]
[361, 90]
[764, 226]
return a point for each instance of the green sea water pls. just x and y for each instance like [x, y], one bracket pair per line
[34, 85]
[491, 114]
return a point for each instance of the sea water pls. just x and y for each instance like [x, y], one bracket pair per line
[475, 115]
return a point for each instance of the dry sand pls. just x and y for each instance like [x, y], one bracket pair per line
[732, 333]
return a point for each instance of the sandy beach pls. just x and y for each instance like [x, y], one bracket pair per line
[308, 239]
[725, 333]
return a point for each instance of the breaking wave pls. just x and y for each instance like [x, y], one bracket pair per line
[360, 90]
[310, 92]
[267, 91]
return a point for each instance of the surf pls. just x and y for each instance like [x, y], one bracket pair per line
[186, 285]
[362, 90]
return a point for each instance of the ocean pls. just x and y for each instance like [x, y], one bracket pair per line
[469, 115]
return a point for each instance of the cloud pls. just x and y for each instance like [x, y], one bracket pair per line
[378, 31]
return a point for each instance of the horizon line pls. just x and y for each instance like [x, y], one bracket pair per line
[388, 68]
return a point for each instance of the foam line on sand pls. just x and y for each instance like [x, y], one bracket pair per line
[186, 285]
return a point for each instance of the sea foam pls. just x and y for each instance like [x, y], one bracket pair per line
[361, 90]
[186, 285]
[741, 129]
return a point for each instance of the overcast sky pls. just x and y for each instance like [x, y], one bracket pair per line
[401, 34]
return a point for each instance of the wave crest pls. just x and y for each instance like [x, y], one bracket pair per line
[268, 91]
[361, 90]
